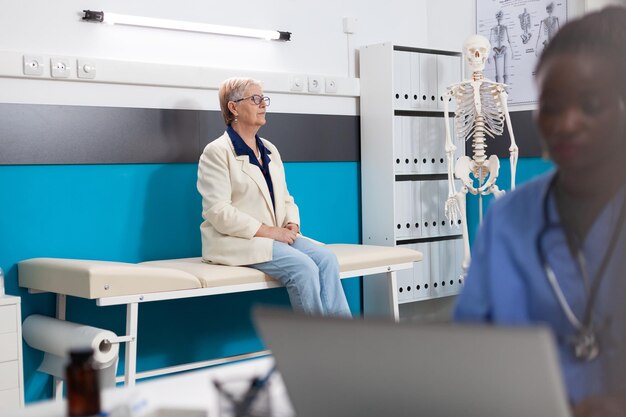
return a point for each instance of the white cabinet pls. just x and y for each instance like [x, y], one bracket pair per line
[11, 377]
[404, 171]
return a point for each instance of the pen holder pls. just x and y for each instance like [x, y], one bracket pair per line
[243, 398]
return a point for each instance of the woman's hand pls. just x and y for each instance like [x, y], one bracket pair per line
[281, 234]
[294, 227]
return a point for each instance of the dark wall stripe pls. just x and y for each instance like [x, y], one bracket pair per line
[51, 134]
[526, 134]
[303, 137]
[56, 134]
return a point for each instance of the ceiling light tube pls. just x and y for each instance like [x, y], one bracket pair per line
[128, 20]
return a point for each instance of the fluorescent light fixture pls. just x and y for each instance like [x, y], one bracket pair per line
[122, 19]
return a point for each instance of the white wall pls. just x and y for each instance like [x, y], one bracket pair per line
[451, 22]
[318, 45]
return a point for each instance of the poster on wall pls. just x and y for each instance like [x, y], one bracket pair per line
[518, 31]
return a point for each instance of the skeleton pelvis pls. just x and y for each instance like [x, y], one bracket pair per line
[499, 51]
[479, 171]
[471, 172]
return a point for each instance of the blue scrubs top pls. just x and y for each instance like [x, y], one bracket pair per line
[507, 284]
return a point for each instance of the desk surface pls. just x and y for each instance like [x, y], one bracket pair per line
[191, 390]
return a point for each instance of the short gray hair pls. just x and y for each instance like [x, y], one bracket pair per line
[233, 89]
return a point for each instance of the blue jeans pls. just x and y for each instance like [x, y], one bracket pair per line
[310, 273]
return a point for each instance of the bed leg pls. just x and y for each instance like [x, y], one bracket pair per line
[57, 383]
[130, 361]
[380, 295]
[392, 287]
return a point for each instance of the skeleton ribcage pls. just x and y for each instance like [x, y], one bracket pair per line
[467, 113]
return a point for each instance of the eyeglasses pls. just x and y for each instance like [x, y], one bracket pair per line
[256, 99]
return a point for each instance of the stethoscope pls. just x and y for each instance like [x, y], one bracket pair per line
[584, 342]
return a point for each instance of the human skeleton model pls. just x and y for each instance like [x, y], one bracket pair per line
[498, 36]
[548, 28]
[481, 110]
[524, 21]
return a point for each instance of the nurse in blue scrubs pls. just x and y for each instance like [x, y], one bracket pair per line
[553, 252]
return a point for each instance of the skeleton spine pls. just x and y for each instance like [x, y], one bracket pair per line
[478, 141]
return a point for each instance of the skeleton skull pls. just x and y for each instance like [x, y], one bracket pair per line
[476, 49]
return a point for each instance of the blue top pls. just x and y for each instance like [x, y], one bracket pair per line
[507, 284]
[241, 148]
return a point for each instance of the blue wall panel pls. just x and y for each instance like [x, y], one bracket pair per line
[133, 213]
[527, 169]
[141, 212]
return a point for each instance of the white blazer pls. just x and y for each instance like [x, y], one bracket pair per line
[236, 201]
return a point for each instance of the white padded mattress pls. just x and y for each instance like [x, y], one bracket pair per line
[99, 279]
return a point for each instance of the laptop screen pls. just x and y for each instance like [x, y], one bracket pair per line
[343, 367]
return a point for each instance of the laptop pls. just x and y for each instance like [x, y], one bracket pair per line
[361, 368]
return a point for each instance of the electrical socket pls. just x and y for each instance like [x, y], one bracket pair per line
[86, 68]
[59, 67]
[331, 85]
[33, 65]
[315, 84]
[297, 82]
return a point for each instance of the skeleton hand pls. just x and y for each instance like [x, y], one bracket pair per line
[453, 211]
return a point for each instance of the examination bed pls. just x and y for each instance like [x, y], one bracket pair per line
[118, 283]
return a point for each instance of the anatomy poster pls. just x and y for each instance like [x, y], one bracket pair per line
[518, 31]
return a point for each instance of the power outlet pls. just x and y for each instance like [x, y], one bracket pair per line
[86, 68]
[33, 65]
[331, 85]
[315, 84]
[60, 67]
[297, 82]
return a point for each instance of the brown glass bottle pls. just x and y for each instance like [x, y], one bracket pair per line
[83, 387]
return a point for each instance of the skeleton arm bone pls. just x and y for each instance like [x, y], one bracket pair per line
[450, 147]
[452, 209]
[513, 149]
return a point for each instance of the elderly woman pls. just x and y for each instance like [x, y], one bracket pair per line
[249, 216]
